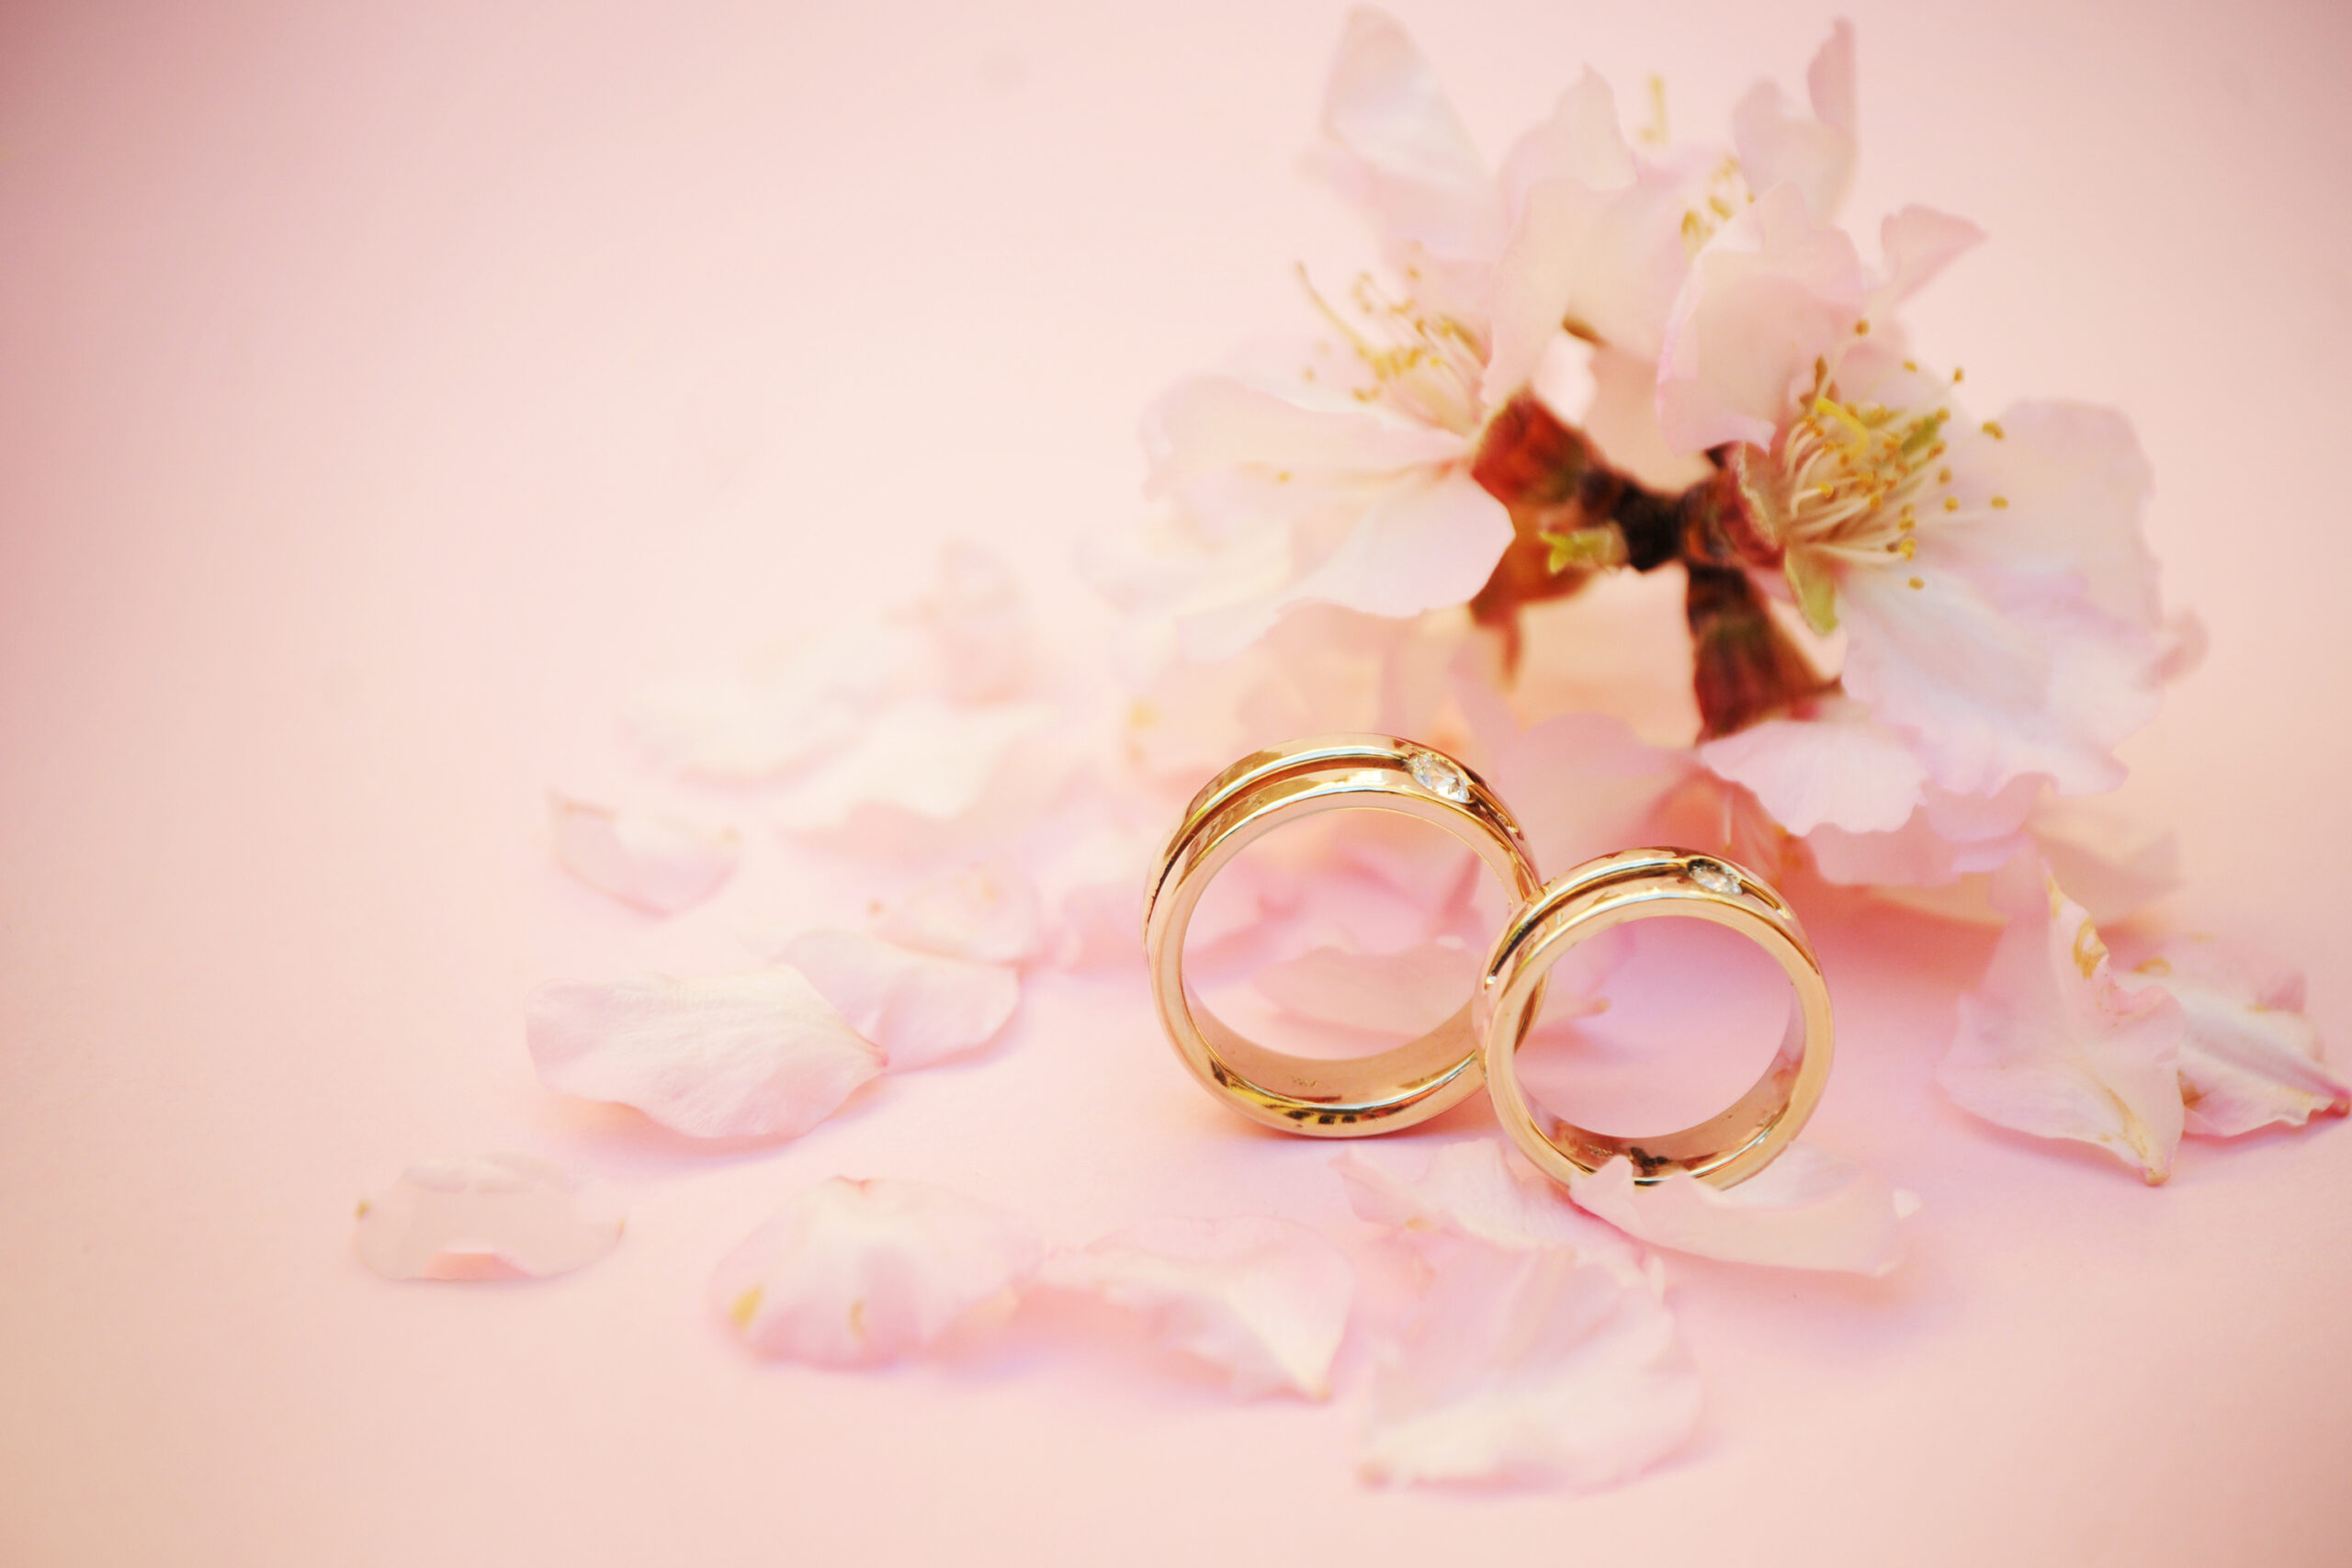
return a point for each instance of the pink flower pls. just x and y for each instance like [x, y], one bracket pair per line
[1998, 602]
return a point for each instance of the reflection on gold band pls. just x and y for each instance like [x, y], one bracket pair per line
[1260, 793]
[1645, 884]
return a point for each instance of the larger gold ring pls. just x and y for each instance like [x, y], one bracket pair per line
[1644, 885]
[1302, 778]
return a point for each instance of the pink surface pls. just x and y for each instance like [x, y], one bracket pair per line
[386, 392]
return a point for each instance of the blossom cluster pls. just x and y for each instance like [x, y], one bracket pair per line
[1618, 476]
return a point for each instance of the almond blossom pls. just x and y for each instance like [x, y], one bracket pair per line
[1359, 473]
[859, 1274]
[503, 1216]
[1261, 1298]
[653, 864]
[757, 1054]
[1808, 1209]
[1998, 604]
[2052, 1043]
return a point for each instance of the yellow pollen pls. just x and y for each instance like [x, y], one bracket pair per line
[1912, 366]
[1862, 328]
[1281, 476]
[1909, 521]
[1908, 545]
[1957, 374]
[2000, 503]
[1918, 582]
[1951, 503]
[1943, 477]
[1993, 428]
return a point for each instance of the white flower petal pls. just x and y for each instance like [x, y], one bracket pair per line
[1204, 424]
[1419, 546]
[1916, 243]
[2077, 486]
[501, 1217]
[653, 863]
[2250, 1057]
[1771, 292]
[987, 911]
[926, 757]
[1265, 1299]
[759, 1054]
[860, 1273]
[1949, 836]
[1806, 1210]
[1401, 153]
[2051, 1045]
[1532, 1367]
[1406, 993]
[1475, 1190]
[920, 1008]
[1835, 767]
[1815, 152]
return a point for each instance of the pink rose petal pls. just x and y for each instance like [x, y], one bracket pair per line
[920, 1008]
[1265, 1299]
[758, 1054]
[1531, 1367]
[1479, 1192]
[1806, 1210]
[503, 1216]
[2051, 1045]
[2250, 1057]
[649, 862]
[987, 911]
[860, 1273]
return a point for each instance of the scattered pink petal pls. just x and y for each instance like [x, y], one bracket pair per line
[1475, 1190]
[1408, 992]
[1532, 1367]
[504, 1216]
[1806, 1210]
[2111, 864]
[988, 911]
[2051, 1045]
[924, 756]
[920, 1008]
[649, 862]
[1265, 1299]
[2250, 1058]
[859, 1273]
[758, 1054]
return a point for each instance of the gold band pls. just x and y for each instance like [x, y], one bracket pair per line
[1644, 885]
[1298, 779]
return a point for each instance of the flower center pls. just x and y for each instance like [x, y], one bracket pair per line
[1427, 363]
[1855, 476]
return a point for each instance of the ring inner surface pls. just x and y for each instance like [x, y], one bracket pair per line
[1313, 1090]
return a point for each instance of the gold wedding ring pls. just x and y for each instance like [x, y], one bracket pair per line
[1286, 783]
[1644, 885]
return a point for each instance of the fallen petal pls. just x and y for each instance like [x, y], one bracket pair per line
[759, 1054]
[925, 756]
[647, 862]
[1806, 1210]
[1477, 1192]
[920, 1008]
[987, 912]
[757, 724]
[1265, 1299]
[2051, 1045]
[2250, 1057]
[859, 1274]
[502, 1216]
[1531, 1367]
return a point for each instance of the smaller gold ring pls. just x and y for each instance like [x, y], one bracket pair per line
[1343, 1099]
[1646, 884]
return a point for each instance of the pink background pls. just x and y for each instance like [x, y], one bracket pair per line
[385, 391]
